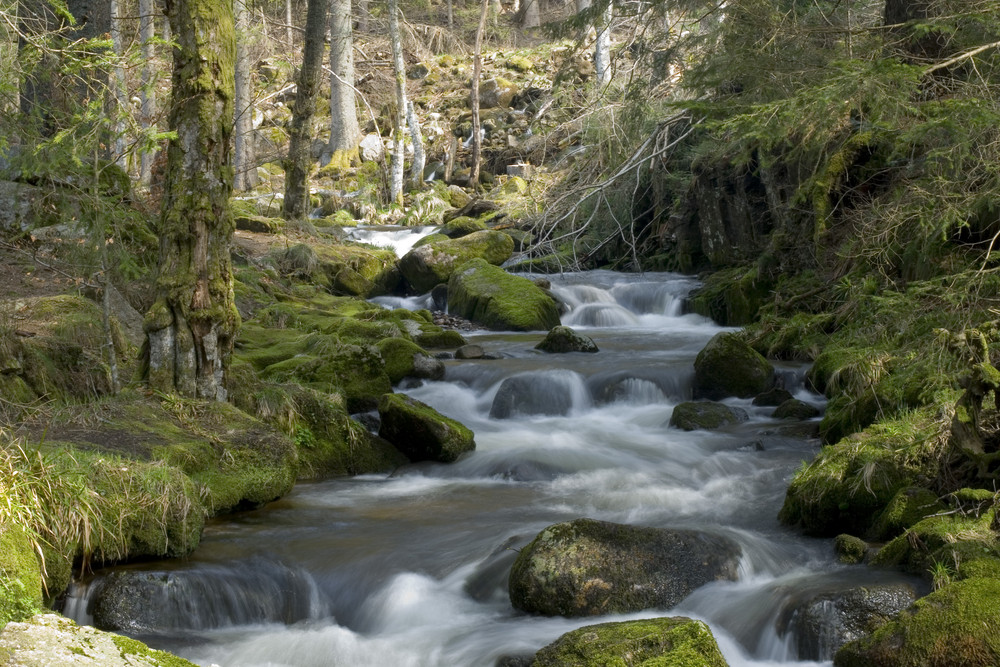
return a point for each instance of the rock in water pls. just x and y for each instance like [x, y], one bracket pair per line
[795, 409]
[432, 264]
[490, 296]
[564, 339]
[420, 431]
[727, 366]
[587, 567]
[654, 641]
[706, 415]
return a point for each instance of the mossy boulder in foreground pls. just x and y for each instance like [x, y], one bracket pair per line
[47, 640]
[586, 568]
[727, 366]
[432, 264]
[564, 339]
[20, 575]
[654, 642]
[490, 296]
[421, 432]
[705, 415]
[958, 625]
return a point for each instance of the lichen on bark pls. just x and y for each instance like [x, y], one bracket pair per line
[191, 326]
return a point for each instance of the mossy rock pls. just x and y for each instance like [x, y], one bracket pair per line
[404, 359]
[259, 224]
[435, 338]
[793, 408]
[957, 625]
[941, 541]
[20, 575]
[48, 639]
[731, 297]
[563, 339]
[850, 549]
[848, 485]
[420, 431]
[727, 366]
[430, 265]
[706, 415]
[587, 567]
[357, 270]
[490, 296]
[461, 226]
[906, 509]
[654, 642]
[430, 239]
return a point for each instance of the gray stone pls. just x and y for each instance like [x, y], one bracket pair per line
[795, 409]
[371, 148]
[727, 366]
[587, 567]
[705, 415]
[469, 352]
[563, 339]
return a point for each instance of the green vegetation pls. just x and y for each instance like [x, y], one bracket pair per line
[489, 296]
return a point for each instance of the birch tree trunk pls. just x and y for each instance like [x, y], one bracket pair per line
[191, 326]
[399, 124]
[147, 30]
[118, 86]
[530, 18]
[477, 70]
[417, 169]
[243, 158]
[345, 134]
[602, 47]
[296, 203]
[289, 37]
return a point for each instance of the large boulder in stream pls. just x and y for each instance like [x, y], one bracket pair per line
[828, 620]
[49, 639]
[534, 394]
[421, 432]
[706, 416]
[490, 296]
[563, 339]
[956, 625]
[727, 366]
[653, 641]
[587, 567]
[432, 264]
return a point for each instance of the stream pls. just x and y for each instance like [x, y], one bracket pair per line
[409, 569]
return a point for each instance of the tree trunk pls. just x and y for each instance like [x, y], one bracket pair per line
[289, 37]
[296, 204]
[530, 18]
[399, 124]
[363, 15]
[451, 15]
[602, 47]
[191, 326]
[345, 134]
[243, 159]
[417, 169]
[147, 30]
[477, 70]
[117, 97]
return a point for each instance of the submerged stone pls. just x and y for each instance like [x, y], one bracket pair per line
[564, 339]
[706, 415]
[532, 395]
[795, 409]
[654, 641]
[587, 568]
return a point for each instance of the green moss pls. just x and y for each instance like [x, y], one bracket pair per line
[655, 642]
[135, 649]
[398, 354]
[850, 484]
[697, 415]
[461, 226]
[436, 338]
[951, 539]
[420, 431]
[906, 508]
[957, 625]
[727, 366]
[850, 549]
[430, 265]
[430, 239]
[20, 576]
[731, 297]
[490, 296]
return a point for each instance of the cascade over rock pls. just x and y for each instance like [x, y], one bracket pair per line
[587, 567]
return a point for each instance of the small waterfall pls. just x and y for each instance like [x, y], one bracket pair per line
[548, 393]
[400, 239]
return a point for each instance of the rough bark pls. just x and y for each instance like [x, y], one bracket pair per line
[296, 203]
[147, 29]
[243, 159]
[399, 123]
[345, 134]
[477, 69]
[117, 98]
[191, 326]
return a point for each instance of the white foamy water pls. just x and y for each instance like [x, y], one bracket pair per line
[410, 568]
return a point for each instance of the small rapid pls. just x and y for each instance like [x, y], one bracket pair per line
[411, 568]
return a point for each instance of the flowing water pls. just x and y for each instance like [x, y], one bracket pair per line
[410, 569]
